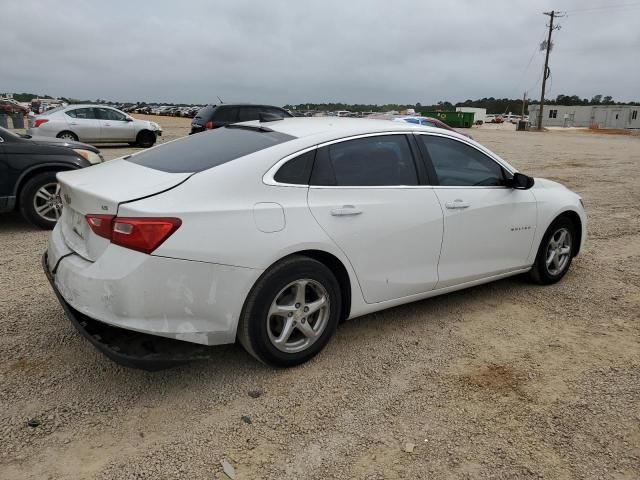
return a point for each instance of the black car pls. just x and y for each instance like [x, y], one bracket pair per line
[28, 167]
[214, 116]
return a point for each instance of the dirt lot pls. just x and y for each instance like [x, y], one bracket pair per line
[503, 381]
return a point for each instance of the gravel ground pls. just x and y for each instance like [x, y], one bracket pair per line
[503, 381]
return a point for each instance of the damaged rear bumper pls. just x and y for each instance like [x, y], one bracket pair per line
[126, 347]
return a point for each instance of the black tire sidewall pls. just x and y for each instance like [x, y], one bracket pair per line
[26, 199]
[541, 268]
[266, 291]
[146, 139]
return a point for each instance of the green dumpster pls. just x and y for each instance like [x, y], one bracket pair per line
[453, 119]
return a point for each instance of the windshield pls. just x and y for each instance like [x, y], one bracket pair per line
[209, 149]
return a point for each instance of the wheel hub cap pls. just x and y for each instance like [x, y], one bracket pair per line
[298, 316]
[558, 251]
[47, 202]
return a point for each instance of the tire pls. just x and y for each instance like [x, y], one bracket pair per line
[546, 271]
[40, 202]
[146, 139]
[68, 136]
[263, 334]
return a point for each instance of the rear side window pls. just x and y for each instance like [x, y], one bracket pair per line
[297, 170]
[206, 150]
[85, 113]
[458, 164]
[384, 160]
[248, 113]
[225, 114]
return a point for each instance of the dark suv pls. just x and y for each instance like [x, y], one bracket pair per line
[214, 116]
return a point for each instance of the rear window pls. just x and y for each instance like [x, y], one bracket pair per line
[204, 113]
[208, 149]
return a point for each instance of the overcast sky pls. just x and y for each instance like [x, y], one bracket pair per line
[292, 51]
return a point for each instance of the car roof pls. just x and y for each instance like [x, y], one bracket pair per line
[324, 129]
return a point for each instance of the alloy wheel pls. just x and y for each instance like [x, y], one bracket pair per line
[298, 315]
[47, 202]
[558, 251]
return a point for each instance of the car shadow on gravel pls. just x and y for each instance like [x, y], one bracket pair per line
[12, 222]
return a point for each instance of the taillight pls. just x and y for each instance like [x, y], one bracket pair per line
[137, 233]
[209, 124]
[39, 121]
[100, 224]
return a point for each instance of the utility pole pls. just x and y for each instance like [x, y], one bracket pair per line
[524, 101]
[552, 14]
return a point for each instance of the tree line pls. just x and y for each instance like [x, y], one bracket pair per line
[493, 105]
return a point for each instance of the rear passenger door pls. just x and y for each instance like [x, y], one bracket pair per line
[370, 197]
[83, 122]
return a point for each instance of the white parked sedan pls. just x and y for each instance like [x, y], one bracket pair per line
[271, 233]
[94, 124]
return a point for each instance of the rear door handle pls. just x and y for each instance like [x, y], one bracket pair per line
[345, 211]
[73, 123]
[457, 205]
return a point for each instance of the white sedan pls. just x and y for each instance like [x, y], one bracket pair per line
[94, 124]
[272, 233]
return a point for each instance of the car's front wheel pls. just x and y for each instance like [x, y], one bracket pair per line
[40, 201]
[555, 252]
[291, 312]
[146, 139]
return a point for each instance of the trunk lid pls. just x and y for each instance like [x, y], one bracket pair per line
[100, 189]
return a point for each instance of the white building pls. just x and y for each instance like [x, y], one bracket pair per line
[588, 116]
[479, 113]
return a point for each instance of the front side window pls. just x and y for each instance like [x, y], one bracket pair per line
[109, 114]
[460, 165]
[384, 160]
[82, 113]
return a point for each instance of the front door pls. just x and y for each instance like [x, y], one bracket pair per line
[367, 197]
[114, 126]
[488, 227]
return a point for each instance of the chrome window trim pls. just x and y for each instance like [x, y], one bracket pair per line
[268, 177]
[1, 140]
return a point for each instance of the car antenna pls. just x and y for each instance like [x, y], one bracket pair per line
[219, 99]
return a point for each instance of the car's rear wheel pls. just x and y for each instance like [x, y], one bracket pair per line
[291, 312]
[40, 201]
[146, 139]
[66, 135]
[555, 252]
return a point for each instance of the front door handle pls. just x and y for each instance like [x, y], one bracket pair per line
[457, 205]
[345, 211]
[73, 123]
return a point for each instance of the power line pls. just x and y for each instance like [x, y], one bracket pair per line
[604, 7]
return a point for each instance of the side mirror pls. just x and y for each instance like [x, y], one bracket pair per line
[520, 181]
[128, 119]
